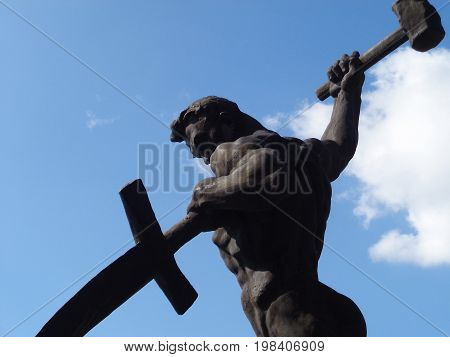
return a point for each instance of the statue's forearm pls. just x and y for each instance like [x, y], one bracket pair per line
[341, 134]
[343, 126]
[232, 196]
[240, 193]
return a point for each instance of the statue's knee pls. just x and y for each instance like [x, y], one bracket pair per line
[285, 317]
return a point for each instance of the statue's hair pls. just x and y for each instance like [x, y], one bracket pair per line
[178, 126]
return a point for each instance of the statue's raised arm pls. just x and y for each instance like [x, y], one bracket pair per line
[338, 143]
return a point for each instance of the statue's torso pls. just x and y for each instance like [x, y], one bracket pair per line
[273, 251]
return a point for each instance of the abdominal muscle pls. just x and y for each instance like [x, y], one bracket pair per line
[261, 285]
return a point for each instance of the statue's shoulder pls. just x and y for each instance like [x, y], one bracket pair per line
[285, 145]
[259, 139]
[266, 138]
[313, 146]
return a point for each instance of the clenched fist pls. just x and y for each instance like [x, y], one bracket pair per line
[344, 75]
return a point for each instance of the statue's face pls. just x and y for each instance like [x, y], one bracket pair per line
[205, 130]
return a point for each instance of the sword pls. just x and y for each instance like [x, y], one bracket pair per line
[151, 258]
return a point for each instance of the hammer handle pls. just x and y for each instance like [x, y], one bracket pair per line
[371, 57]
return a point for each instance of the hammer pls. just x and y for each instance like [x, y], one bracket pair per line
[151, 258]
[419, 22]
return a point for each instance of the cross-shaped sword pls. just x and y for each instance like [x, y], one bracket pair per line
[151, 258]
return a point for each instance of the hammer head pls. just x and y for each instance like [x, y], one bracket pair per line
[421, 22]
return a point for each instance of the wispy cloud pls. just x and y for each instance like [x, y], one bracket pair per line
[93, 121]
[274, 121]
[402, 160]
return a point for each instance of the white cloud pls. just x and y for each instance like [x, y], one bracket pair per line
[403, 157]
[273, 122]
[93, 121]
[311, 122]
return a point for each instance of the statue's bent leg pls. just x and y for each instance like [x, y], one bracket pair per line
[319, 313]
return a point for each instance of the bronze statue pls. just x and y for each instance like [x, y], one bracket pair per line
[268, 205]
[272, 240]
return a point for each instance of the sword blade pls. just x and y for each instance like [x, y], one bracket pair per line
[109, 289]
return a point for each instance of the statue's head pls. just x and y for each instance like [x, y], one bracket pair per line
[208, 122]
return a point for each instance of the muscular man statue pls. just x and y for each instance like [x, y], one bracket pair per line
[269, 205]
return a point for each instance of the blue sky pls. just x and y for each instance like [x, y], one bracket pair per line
[69, 142]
